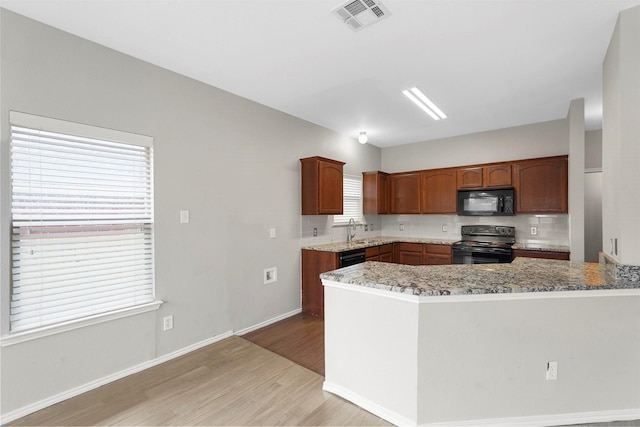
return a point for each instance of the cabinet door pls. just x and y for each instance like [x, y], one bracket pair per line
[541, 185]
[408, 253]
[371, 254]
[321, 186]
[405, 193]
[438, 191]
[437, 254]
[375, 190]
[387, 257]
[497, 175]
[386, 253]
[315, 263]
[330, 188]
[470, 177]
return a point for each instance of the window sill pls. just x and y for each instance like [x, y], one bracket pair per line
[20, 337]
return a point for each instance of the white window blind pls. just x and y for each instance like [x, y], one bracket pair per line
[352, 200]
[82, 221]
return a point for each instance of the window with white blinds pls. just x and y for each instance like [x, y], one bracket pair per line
[82, 221]
[352, 200]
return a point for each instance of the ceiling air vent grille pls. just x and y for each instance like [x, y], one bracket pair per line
[357, 14]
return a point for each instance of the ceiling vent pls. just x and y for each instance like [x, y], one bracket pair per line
[357, 14]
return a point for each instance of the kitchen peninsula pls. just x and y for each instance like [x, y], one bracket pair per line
[470, 344]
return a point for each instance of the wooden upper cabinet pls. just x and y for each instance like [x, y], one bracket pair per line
[470, 177]
[375, 193]
[404, 191]
[487, 176]
[438, 191]
[541, 185]
[497, 175]
[321, 186]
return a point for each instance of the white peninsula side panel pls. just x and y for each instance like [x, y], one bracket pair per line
[481, 359]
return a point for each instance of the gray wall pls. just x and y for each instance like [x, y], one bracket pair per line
[593, 149]
[231, 162]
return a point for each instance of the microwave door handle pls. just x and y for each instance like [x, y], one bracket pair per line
[501, 204]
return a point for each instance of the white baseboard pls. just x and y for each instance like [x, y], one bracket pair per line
[268, 322]
[368, 405]
[530, 421]
[550, 420]
[26, 410]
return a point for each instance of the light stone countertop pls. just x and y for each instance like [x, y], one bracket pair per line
[541, 247]
[375, 241]
[522, 275]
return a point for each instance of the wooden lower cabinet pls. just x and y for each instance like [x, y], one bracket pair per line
[382, 253]
[408, 253]
[437, 254]
[386, 253]
[314, 263]
[539, 254]
[422, 254]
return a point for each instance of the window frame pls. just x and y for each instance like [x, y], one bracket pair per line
[148, 303]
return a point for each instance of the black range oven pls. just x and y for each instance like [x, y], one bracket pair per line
[484, 244]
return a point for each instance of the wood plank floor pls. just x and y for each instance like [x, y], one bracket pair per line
[299, 338]
[232, 382]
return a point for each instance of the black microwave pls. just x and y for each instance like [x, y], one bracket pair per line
[499, 202]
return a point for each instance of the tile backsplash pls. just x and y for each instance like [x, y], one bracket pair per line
[551, 229]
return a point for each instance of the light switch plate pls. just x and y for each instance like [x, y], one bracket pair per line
[270, 275]
[272, 233]
[184, 217]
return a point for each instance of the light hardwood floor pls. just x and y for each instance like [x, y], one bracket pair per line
[232, 382]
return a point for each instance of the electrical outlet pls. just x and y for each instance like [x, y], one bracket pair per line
[366, 227]
[370, 227]
[533, 230]
[552, 370]
[315, 231]
[272, 233]
[444, 228]
[270, 275]
[401, 227]
[168, 322]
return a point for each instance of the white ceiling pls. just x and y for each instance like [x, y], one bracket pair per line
[488, 64]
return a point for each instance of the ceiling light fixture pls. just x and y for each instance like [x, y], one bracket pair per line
[362, 138]
[420, 99]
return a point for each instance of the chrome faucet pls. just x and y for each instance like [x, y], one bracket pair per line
[351, 230]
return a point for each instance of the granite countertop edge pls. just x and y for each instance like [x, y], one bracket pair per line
[377, 241]
[524, 275]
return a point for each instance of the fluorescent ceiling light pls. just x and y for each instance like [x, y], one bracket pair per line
[424, 103]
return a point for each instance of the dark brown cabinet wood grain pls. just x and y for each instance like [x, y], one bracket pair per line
[435, 254]
[541, 185]
[485, 176]
[386, 253]
[470, 177]
[405, 193]
[321, 186]
[539, 254]
[408, 253]
[375, 193]
[498, 175]
[438, 191]
[315, 263]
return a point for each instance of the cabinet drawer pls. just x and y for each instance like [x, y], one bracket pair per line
[372, 251]
[386, 249]
[438, 249]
